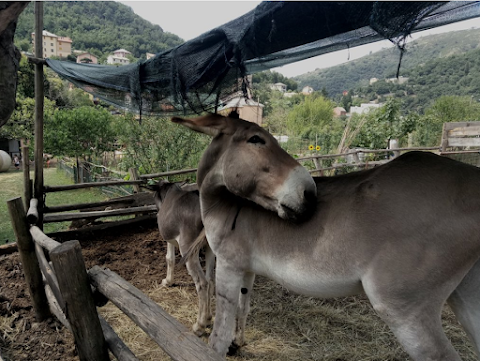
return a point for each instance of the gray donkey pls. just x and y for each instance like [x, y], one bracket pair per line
[180, 224]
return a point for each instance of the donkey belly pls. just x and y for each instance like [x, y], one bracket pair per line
[311, 281]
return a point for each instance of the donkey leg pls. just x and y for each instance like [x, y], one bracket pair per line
[228, 284]
[168, 281]
[195, 270]
[416, 325]
[242, 311]
[209, 275]
[465, 303]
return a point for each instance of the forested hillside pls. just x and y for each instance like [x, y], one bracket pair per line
[383, 64]
[97, 26]
[454, 75]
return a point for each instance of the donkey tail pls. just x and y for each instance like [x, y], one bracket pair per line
[194, 249]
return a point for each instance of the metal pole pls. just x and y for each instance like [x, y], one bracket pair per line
[39, 93]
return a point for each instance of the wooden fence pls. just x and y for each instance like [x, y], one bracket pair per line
[64, 288]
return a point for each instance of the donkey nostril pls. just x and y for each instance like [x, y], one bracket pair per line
[309, 195]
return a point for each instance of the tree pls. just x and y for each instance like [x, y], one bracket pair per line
[383, 124]
[313, 120]
[158, 145]
[445, 109]
[79, 132]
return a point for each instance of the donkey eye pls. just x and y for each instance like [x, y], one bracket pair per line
[256, 139]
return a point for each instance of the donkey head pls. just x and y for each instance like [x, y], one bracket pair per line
[161, 189]
[248, 161]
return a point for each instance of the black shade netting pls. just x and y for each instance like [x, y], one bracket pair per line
[205, 72]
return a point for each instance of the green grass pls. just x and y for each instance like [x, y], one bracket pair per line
[11, 186]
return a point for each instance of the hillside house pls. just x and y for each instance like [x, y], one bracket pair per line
[119, 57]
[364, 107]
[248, 109]
[150, 55]
[400, 80]
[85, 57]
[279, 86]
[54, 45]
[307, 90]
[339, 111]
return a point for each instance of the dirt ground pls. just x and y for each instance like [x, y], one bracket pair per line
[135, 253]
[281, 327]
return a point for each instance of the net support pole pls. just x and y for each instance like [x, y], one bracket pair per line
[39, 94]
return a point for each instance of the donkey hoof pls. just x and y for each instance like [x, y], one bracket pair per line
[198, 330]
[166, 283]
[233, 349]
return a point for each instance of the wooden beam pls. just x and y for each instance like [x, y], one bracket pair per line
[115, 344]
[8, 248]
[60, 217]
[32, 213]
[81, 312]
[100, 227]
[74, 207]
[39, 94]
[173, 337]
[42, 239]
[27, 184]
[49, 276]
[166, 174]
[31, 269]
[50, 189]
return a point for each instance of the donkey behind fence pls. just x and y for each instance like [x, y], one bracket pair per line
[180, 224]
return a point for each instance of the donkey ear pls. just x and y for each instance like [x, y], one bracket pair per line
[211, 124]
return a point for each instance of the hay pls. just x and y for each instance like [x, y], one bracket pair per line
[283, 326]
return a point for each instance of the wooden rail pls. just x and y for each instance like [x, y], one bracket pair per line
[50, 189]
[173, 337]
[60, 217]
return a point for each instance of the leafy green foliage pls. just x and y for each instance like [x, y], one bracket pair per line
[444, 109]
[158, 145]
[98, 27]
[83, 131]
[313, 119]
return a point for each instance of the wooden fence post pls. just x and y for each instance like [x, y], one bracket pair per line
[81, 312]
[39, 102]
[134, 176]
[27, 184]
[31, 269]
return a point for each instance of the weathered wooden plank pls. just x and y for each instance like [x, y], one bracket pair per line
[27, 185]
[78, 206]
[80, 311]
[31, 269]
[49, 276]
[173, 337]
[60, 217]
[42, 239]
[463, 142]
[452, 125]
[166, 174]
[139, 199]
[50, 189]
[32, 213]
[55, 308]
[115, 344]
[71, 233]
[8, 248]
[464, 131]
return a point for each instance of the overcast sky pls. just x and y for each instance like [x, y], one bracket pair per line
[189, 19]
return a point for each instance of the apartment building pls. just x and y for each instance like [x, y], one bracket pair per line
[119, 57]
[54, 45]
